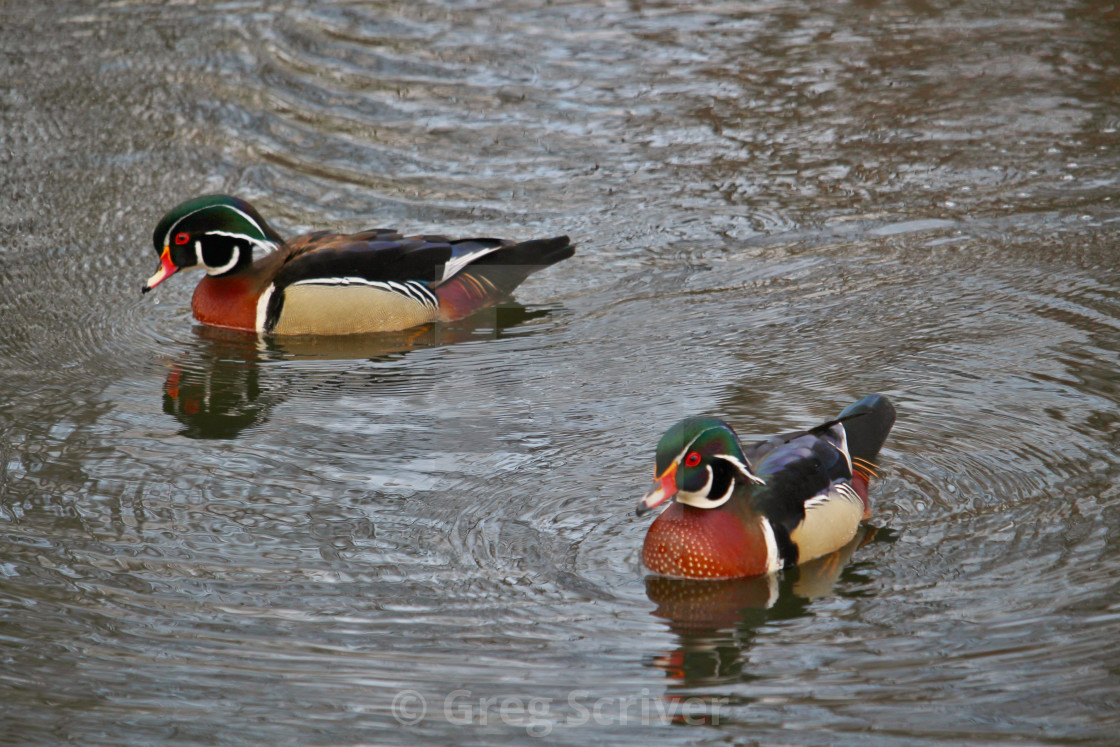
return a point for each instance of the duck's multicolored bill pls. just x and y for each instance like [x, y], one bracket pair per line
[166, 270]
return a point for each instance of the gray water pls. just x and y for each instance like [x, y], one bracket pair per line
[779, 206]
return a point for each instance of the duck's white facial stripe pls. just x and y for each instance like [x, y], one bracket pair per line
[698, 498]
[744, 470]
[268, 246]
[701, 499]
[242, 213]
[234, 256]
[680, 456]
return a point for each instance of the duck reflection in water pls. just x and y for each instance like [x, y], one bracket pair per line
[716, 621]
[215, 389]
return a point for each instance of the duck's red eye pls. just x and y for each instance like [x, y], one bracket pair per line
[182, 238]
[692, 459]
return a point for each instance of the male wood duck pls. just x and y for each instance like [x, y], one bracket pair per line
[329, 283]
[738, 512]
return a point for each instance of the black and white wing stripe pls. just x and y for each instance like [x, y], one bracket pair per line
[413, 289]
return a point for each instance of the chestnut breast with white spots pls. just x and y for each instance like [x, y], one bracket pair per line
[689, 542]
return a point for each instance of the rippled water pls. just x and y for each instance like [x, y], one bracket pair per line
[430, 537]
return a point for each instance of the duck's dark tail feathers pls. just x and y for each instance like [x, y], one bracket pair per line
[494, 276]
[866, 424]
[509, 266]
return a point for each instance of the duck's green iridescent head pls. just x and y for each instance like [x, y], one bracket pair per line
[216, 232]
[699, 462]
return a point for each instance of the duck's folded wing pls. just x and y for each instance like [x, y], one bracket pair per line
[807, 495]
[795, 468]
[380, 256]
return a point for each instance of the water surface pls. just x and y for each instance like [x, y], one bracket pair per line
[780, 207]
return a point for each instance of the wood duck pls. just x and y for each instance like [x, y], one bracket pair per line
[327, 283]
[738, 512]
